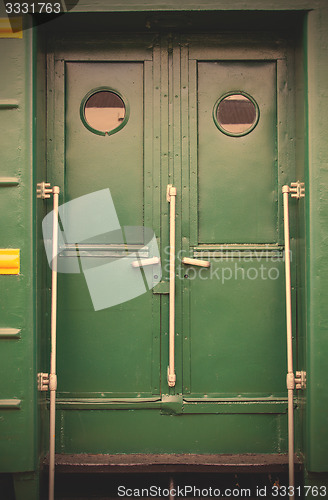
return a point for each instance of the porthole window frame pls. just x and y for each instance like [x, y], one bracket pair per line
[95, 91]
[224, 96]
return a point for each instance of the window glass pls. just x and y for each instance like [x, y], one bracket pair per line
[104, 111]
[236, 114]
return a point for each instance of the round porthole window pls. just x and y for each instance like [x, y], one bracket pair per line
[103, 111]
[236, 114]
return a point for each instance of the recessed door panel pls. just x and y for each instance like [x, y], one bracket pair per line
[236, 344]
[93, 161]
[237, 181]
[106, 352]
[237, 329]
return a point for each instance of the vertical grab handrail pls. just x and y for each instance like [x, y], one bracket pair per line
[290, 372]
[53, 375]
[171, 197]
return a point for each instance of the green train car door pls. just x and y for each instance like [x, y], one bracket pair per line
[236, 315]
[108, 352]
[207, 115]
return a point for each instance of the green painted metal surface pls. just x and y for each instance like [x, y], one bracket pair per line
[229, 361]
[233, 349]
[17, 355]
[18, 426]
[237, 172]
[237, 306]
[298, 211]
[42, 318]
[123, 333]
[317, 225]
[146, 431]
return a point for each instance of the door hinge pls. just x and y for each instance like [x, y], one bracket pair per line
[300, 380]
[43, 190]
[297, 190]
[43, 381]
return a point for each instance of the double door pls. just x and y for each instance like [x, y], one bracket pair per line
[206, 115]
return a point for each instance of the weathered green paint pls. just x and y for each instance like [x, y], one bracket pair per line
[168, 433]
[237, 172]
[316, 246]
[122, 333]
[179, 403]
[226, 334]
[311, 80]
[132, 368]
[298, 211]
[40, 210]
[17, 357]
[221, 331]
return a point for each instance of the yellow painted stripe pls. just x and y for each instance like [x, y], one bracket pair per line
[9, 261]
[12, 28]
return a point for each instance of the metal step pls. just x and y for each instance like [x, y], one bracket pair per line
[172, 463]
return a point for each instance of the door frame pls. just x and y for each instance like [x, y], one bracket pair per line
[170, 149]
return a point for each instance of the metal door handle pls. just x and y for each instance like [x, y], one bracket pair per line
[195, 262]
[171, 193]
[146, 262]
